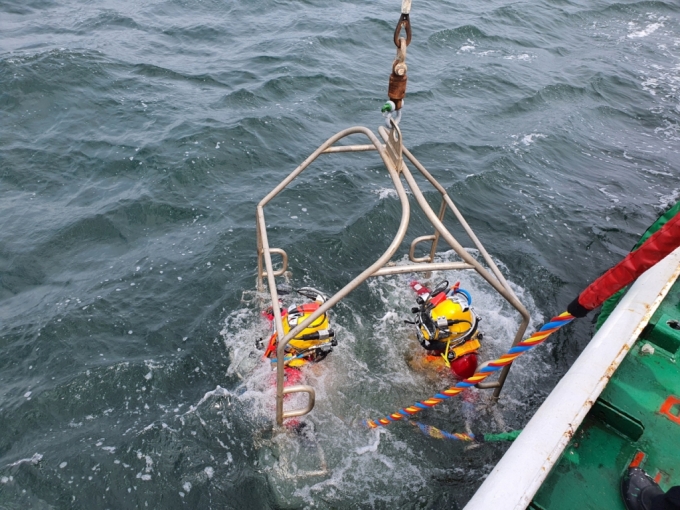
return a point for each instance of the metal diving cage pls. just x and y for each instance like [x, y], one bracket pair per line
[392, 152]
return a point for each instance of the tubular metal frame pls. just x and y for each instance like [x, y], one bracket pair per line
[391, 153]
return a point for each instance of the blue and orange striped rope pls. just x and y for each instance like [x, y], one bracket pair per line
[431, 431]
[515, 352]
[436, 433]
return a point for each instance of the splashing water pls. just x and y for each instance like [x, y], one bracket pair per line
[333, 456]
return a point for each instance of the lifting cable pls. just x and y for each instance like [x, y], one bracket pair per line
[653, 250]
[396, 91]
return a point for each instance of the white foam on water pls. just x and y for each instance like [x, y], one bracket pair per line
[649, 29]
[525, 140]
[336, 459]
[668, 200]
[523, 56]
[656, 172]
[242, 329]
[531, 138]
[35, 459]
[321, 462]
[664, 84]
[384, 193]
[610, 196]
[469, 46]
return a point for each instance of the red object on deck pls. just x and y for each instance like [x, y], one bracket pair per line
[637, 460]
[667, 406]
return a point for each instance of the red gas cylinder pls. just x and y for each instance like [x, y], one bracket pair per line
[464, 366]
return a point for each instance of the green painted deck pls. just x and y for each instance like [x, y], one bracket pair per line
[627, 418]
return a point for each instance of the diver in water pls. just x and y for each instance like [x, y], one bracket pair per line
[313, 343]
[447, 328]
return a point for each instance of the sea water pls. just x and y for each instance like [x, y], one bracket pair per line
[136, 139]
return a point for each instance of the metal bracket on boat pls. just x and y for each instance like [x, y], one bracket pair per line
[392, 153]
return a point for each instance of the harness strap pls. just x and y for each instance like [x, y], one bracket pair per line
[446, 354]
[272, 345]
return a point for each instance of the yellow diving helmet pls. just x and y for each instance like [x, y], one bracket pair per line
[314, 342]
[445, 321]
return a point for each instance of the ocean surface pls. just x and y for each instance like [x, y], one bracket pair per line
[137, 137]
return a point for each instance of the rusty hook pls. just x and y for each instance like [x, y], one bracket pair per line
[405, 23]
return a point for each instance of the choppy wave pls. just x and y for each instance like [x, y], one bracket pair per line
[136, 140]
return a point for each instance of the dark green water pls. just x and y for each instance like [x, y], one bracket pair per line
[136, 139]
